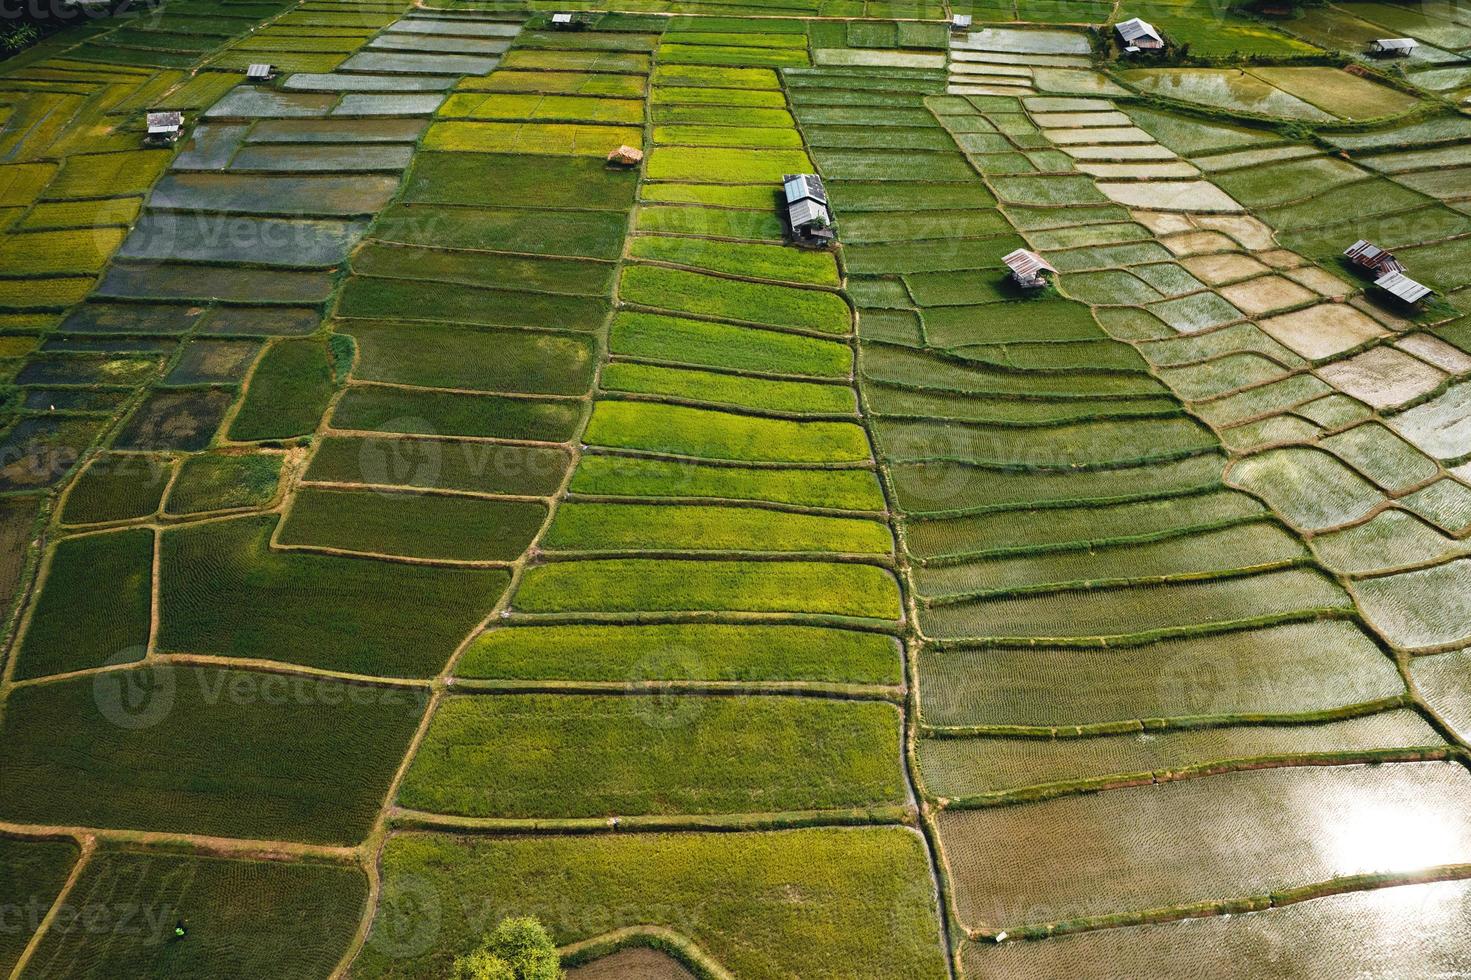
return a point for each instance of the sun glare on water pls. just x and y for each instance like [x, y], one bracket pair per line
[1399, 837]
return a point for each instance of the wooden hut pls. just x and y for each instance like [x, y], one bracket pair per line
[626, 156]
[1404, 289]
[1393, 47]
[1139, 35]
[164, 128]
[807, 214]
[1372, 258]
[1028, 269]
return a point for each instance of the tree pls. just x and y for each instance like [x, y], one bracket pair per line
[518, 949]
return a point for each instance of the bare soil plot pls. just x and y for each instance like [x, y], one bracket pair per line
[1383, 377]
[1185, 195]
[1266, 294]
[1324, 330]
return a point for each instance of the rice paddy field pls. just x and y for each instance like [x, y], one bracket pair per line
[413, 519]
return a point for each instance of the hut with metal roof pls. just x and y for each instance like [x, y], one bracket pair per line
[1139, 35]
[1404, 289]
[1372, 258]
[566, 22]
[260, 72]
[164, 128]
[960, 23]
[808, 217]
[1394, 47]
[1028, 269]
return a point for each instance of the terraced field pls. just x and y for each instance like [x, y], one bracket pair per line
[414, 520]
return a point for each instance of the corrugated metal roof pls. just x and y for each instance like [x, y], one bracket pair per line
[961, 21]
[561, 18]
[1134, 29]
[1026, 264]
[1403, 287]
[164, 122]
[798, 186]
[806, 212]
[1371, 256]
[1396, 44]
[258, 71]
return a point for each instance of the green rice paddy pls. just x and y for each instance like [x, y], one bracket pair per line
[411, 518]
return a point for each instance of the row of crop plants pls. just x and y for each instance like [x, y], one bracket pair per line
[1143, 599]
[1344, 412]
[203, 362]
[1081, 573]
[703, 638]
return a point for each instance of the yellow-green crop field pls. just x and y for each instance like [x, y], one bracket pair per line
[413, 518]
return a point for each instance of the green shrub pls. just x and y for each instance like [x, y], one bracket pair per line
[518, 949]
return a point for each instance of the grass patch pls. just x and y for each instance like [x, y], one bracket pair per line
[736, 258]
[683, 431]
[117, 487]
[554, 755]
[413, 525]
[476, 359]
[699, 134]
[724, 166]
[759, 394]
[108, 174]
[530, 181]
[685, 651]
[75, 625]
[572, 277]
[716, 222]
[35, 871]
[626, 585]
[224, 591]
[443, 464]
[592, 234]
[622, 476]
[698, 76]
[723, 345]
[574, 108]
[288, 392]
[376, 408]
[225, 481]
[208, 751]
[866, 900]
[675, 527]
[266, 918]
[778, 306]
[373, 297]
[559, 139]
